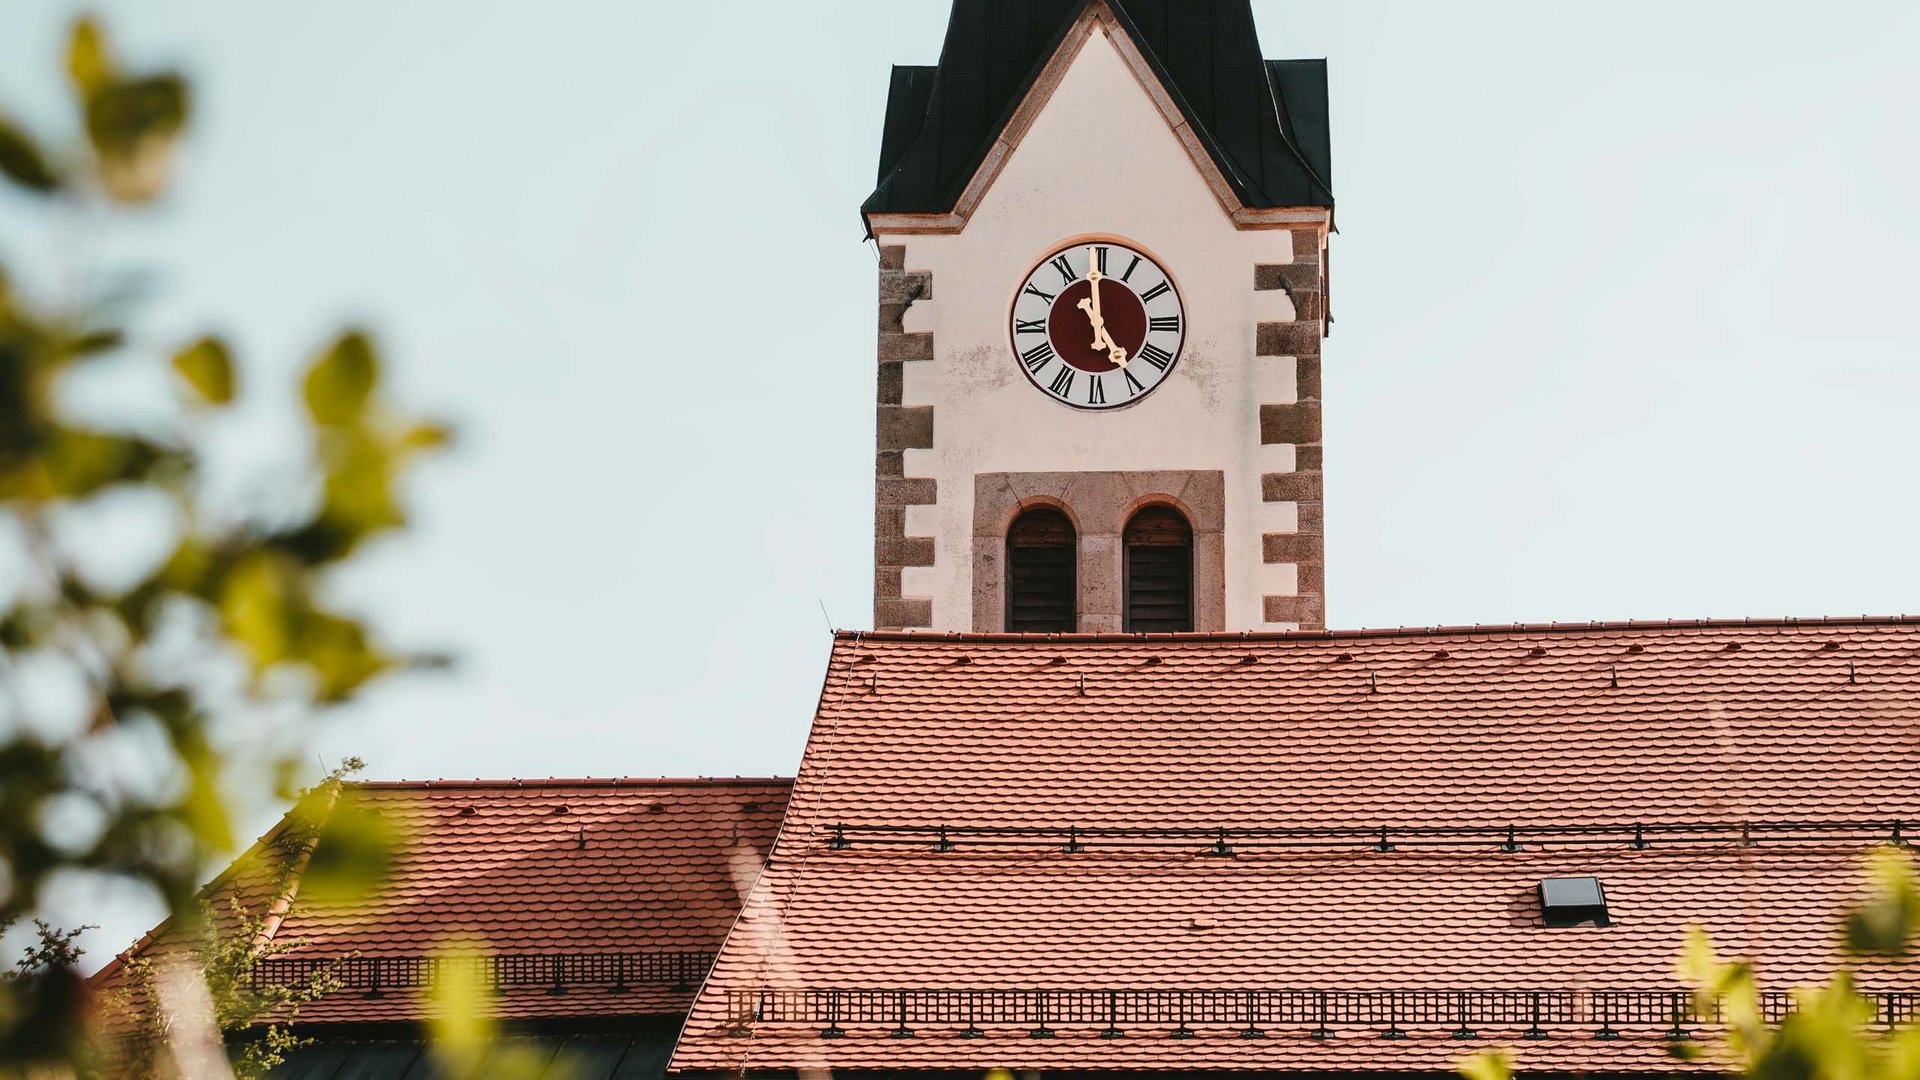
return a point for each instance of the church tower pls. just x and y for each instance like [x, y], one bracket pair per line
[1102, 228]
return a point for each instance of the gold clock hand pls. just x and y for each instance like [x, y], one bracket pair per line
[1115, 354]
[1093, 277]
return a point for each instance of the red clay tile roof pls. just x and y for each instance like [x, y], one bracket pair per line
[632, 877]
[1672, 726]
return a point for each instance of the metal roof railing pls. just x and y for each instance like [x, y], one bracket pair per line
[1318, 1013]
[374, 976]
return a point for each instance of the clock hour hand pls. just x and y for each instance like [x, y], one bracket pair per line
[1115, 353]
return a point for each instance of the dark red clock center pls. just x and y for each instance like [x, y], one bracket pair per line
[1071, 331]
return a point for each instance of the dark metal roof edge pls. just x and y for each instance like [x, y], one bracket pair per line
[1283, 115]
[1240, 184]
[542, 783]
[979, 157]
[1233, 636]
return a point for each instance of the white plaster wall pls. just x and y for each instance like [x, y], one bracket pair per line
[1099, 160]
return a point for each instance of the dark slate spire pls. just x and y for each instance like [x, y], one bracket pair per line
[1264, 123]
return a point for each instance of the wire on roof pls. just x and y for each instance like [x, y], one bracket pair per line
[1226, 840]
[1221, 849]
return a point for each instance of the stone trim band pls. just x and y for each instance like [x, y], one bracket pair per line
[897, 429]
[1297, 422]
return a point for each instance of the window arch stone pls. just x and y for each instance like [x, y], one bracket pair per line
[1099, 504]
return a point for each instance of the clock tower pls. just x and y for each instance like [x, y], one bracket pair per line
[1102, 228]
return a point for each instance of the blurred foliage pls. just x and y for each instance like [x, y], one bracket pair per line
[228, 943]
[466, 1042]
[232, 623]
[1831, 1032]
[46, 984]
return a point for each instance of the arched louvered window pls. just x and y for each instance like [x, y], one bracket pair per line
[1040, 581]
[1159, 571]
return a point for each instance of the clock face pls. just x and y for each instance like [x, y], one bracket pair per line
[1097, 325]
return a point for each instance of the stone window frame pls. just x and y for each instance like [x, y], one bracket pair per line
[1006, 550]
[1100, 504]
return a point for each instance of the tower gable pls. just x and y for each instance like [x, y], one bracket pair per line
[998, 395]
[1255, 129]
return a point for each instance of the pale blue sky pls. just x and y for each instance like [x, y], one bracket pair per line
[1624, 301]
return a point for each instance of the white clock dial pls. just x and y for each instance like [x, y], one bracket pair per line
[1097, 325]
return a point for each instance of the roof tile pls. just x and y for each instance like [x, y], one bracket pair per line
[1687, 729]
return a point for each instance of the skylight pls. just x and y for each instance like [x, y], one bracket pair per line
[1573, 901]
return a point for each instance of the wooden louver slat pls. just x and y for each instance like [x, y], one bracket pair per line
[1159, 571]
[1040, 572]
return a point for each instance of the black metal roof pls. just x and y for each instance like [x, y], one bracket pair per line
[1264, 122]
[582, 1056]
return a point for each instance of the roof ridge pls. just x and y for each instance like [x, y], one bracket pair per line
[1222, 636]
[539, 783]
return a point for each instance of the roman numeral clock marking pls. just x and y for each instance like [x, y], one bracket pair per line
[1108, 328]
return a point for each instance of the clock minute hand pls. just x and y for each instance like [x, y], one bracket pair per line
[1115, 353]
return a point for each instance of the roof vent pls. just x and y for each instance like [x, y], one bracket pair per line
[1573, 901]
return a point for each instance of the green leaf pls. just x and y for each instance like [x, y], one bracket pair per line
[22, 161]
[132, 124]
[87, 61]
[95, 342]
[355, 853]
[207, 367]
[82, 462]
[257, 601]
[340, 654]
[1886, 923]
[360, 482]
[1485, 1065]
[203, 809]
[427, 436]
[341, 381]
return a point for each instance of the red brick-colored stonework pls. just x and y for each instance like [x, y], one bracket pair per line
[898, 428]
[1297, 423]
